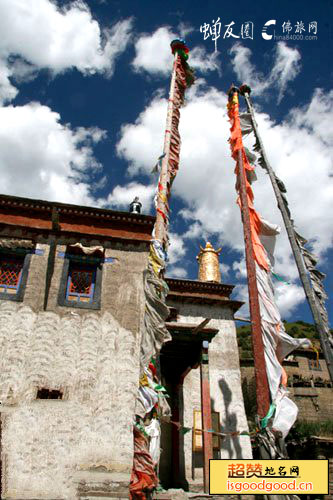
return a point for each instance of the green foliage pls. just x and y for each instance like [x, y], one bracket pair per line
[307, 429]
[294, 331]
[297, 329]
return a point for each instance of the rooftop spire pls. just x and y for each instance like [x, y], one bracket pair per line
[209, 266]
[135, 206]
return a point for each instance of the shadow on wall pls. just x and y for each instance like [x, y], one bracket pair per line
[231, 444]
[249, 396]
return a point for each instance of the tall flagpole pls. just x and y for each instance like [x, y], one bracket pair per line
[262, 389]
[182, 77]
[162, 207]
[309, 292]
[151, 404]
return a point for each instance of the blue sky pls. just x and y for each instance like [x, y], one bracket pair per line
[83, 91]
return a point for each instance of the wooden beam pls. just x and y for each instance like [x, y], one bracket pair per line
[201, 325]
[239, 318]
[206, 414]
[191, 328]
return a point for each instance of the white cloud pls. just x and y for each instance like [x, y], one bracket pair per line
[297, 148]
[7, 90]
[42, 158]
[245, 71]
[225, 270]
[317, 116]
[287, 297]
[177, 272]
[122, 196]
[195, 230]
[141, 143]
[41, 34]
[202, 61]
[177, 249]
[239, 267]
[184, 29]
[153, 54]
[176, 254]
[286, 66]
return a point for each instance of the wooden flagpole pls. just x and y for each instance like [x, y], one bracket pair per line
[164, 180]
[262, 388]
[309, 292]
[155, 332]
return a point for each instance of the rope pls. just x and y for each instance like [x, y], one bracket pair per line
[184, 430]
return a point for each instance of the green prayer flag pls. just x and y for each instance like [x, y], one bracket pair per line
[185, 430]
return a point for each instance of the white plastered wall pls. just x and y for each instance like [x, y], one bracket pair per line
[46, 444]
[225, 387]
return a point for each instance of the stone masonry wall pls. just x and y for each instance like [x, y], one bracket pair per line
[315, 404]
[48, 446]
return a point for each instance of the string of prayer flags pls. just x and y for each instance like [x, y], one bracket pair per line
[151, 403]
[277, 343]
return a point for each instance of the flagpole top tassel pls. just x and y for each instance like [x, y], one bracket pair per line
[179, 45]
[232, 90]
[244, 89]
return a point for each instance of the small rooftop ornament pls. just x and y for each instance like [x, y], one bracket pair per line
[135, 206]
[209, 266]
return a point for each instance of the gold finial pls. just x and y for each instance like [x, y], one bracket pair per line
[209, 267]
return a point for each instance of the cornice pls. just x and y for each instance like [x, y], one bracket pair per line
[194, 286]
[75, 210]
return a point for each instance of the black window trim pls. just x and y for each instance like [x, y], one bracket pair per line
[96, 302]
[26, 254]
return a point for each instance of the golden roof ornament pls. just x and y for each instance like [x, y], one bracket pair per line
[209, 266]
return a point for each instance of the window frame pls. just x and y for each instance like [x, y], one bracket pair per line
[15, 255]
[314, 365]
[84, 262]
[87, 268]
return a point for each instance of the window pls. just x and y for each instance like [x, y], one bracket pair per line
[81, 282]
[13, 274]
[49, 394]
[10, 274]
[314, 364]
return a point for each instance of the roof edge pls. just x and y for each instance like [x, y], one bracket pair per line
[71, 209]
